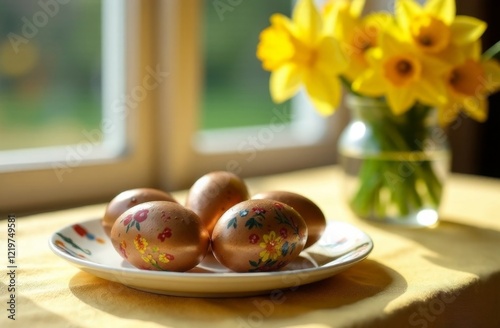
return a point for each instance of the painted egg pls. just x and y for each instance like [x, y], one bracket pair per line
[258, 235]
[310, 212]
[213, 194]
[160, 235]
[129, 198]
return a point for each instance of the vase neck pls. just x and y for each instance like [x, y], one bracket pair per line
[378, 110]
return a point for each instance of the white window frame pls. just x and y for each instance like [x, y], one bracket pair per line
[88, 172]
[183, 154]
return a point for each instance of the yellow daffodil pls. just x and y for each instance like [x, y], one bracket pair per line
[402, 75]
[434, 29]
[468, 85]
[419, 55]
[356, 34]
[298, 53]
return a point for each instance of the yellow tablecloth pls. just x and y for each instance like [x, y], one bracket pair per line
[443, 277]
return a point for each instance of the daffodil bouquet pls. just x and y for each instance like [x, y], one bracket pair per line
[416, 60]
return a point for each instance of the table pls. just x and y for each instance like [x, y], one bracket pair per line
[448, 276]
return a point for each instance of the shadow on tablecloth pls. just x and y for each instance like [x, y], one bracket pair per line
[457, 246]
[358, 284]
[27, 313]
[470, 296]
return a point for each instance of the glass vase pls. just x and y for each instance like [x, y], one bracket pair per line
[394, 165]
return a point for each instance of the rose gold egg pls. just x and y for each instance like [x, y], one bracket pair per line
[160, 235]
[213, 194]
[258, 235]
[129, 198]
[310, 212]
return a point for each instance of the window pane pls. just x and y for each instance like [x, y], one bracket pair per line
[236, 87]
[50, 72]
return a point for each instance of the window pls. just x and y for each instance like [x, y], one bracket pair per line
[235, 91]
[154, 120]
[69, 123]
[53, 78]
[287, 137]
[236, 88]
[49, 76]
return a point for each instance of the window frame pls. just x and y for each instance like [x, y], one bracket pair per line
[73, 180]
[180, 49]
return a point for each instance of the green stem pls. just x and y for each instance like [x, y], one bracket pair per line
[392, 186]
[493, 52]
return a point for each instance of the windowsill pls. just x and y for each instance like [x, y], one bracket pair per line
[452, 271]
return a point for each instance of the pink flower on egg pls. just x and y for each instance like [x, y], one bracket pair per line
[127, 220]
[283, 233]
[166, 233]
[258, 210]
[253, 239]
[141, 215]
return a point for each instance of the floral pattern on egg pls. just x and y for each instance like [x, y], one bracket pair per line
[160, 235]
[166, 233]
[134, 220]
[150, 255]
[258, 235]
[128, 199]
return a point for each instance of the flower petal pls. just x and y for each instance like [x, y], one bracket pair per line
[431, 93]
[467, 29]
[308, 21]
[492, 76]
[392, 43]
[275, 45]
[476, 108]
[369, 84]
[448, 113]
[357, 7]
[444, 9]
[378, 21]
[342, 25]
[405, 10]
[333, 10]
[324, 90]
[330, 57]
[400, 99]
[283, 22]
[454, 54]
[284, 82]
[431, 88]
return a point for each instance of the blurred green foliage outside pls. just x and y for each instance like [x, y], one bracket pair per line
[50, 69]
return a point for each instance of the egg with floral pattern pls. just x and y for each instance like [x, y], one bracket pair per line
[310, 212]
[160, 235]
[130, 198]
[258, 235]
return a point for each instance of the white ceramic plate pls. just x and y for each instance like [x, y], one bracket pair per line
[86, 246]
